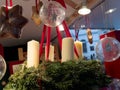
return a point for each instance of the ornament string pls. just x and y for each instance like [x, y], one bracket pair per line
[66, 29]
[36, 4]
[42, 39]
[76, 34]
[76, 30]
[87, 21]
[7, 7]
[48, 41]
[11, 3]
[89, 33]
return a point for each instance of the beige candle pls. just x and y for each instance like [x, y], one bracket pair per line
[79, 48]
[32, 54]
[67, 49]
[51, 53]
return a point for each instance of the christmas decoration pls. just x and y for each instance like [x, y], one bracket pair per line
[108, 49]
[89, 36]
[35, 12]
[52, 14]
[71, 75]
[2, 67]
[11, 21]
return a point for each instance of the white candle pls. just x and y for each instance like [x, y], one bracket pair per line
[51, 53]
[79, 48]
[67, 49]
[32, 54]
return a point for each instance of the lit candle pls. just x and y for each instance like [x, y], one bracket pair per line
[51, 53]
[79, 48]
[67, 49]
[32, 54]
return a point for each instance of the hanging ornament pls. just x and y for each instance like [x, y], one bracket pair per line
[52, 14]
[35, 12]
[89, 36]
[2, 67]
[108, 49]
[11, 21]
[88, 31]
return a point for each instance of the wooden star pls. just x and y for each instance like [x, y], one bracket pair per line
[11, 24]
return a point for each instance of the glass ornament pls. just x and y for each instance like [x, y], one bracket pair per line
[108, 49]
[52, 14]
[2, 67]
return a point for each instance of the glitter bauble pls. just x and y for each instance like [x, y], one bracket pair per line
[52, 14]
[108, 49]
[2, 67]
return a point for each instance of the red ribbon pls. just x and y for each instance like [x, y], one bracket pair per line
[66, 29]
[7, 7]
[69, 35]
[61, 2]
[76, 30]
[11, 3]
[36, 4]
[59, 37]
[76, 34]
[48, 41]
[42, 39]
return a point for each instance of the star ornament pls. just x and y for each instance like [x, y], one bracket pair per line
[11, 23]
